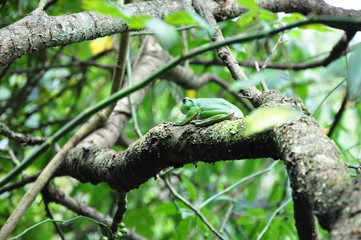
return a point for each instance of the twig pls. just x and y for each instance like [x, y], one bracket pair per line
[351, 166]
[337, 51]
[236, 184]
[338, 116]
[226, 217]
[192, 207]
[122, 207]
[13, 157]
[54, 194]
[325, 98]
[263, 83]
[50, 215]
[19, 184]
[179, 29]
[268, 60]
[130, 99]
[272, 217]
[224, 52]
[19, 137]
[60, 221]
[42, 4]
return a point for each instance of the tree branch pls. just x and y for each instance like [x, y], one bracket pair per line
[337, 51]
[20, 138]
[318, 176]
[38, 30]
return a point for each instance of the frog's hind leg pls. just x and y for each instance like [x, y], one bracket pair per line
[213, 119]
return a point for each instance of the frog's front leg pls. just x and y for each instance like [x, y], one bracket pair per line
[192, 113]
[213, 119]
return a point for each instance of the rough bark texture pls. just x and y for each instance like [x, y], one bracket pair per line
[317, 173]
[164, 146]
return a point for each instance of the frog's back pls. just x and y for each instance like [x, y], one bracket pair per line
[218, 103]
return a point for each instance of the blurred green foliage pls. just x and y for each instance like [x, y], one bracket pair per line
[37, 98]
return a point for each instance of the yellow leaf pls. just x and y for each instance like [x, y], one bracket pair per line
[100, 44]
[191, 93]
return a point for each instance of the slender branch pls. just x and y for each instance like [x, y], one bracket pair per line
[338, 116]
[336, 52]
[59, 221]
[42, 4]
[54, 194]
[192, 207]
[224, 52]
[268, 60]
[326, 97]
[50, 215]
[130, 99]
[122, 207]
[272, 217]
[306, 223]
[226, 217]
[75, 63]
[236, 184]
[19, 184]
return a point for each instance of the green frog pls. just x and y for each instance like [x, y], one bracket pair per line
[206, 111]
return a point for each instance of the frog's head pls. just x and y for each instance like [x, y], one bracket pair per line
[187, 104]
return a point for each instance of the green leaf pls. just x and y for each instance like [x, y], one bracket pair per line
[191, 189]
[181, 18]
[189, 18]
[166, 34]
[100, 6]
[4, 93]
[250, 4]
[266, 15]
[265, 118]
[166, 208]
[201, 22]
[248, 18]
[256, 212]
[354, 74]
[293, 17]
[185, 213]
[317, 27]
[138, 21]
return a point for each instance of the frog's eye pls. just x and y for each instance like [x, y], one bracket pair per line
[184, 100]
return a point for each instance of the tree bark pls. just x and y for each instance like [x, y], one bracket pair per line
[313, 162]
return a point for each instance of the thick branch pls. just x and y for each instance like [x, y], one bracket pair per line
[164, 146]
[38, 30]
[313, 162]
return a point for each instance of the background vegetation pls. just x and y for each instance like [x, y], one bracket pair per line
[42, 91]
